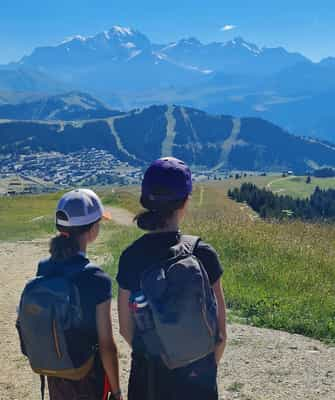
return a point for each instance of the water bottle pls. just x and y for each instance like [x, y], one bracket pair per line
[142, 313]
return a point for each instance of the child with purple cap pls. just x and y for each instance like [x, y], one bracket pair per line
[166, 191]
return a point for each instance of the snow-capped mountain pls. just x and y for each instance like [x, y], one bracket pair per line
[235, 56]
[328, 62]
[118, 59]
[125, 59]
[117, 44]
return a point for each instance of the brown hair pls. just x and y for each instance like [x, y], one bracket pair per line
[157, 213]
[66, 245]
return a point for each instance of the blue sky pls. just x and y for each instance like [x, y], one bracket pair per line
[305, 26]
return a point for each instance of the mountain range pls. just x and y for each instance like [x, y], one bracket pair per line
[118, 59]
[127, 70]
[205, 141]
[109, 59]
[234, 57]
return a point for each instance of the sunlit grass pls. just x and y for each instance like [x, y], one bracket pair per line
[27, 217]
[121, 197]
[277, 275]
[296, 186]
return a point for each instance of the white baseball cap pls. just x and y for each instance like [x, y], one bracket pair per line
[81, 207]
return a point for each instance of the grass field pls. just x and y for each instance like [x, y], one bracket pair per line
[278, 275]
[296, 186]
[27, 217]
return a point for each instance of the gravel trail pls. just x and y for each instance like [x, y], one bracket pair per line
[259, 364]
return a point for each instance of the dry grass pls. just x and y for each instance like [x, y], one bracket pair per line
[278, 275]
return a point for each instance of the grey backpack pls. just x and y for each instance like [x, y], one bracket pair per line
[50, 322]
[183, 307]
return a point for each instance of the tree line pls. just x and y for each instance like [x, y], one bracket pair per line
[320, 206]
[324, 173]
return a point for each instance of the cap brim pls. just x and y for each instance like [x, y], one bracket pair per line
[107, 216]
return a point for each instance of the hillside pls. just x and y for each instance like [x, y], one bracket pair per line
[297, 187]
[25, 79]
[202, 140]
[319, 207]
[67, 107]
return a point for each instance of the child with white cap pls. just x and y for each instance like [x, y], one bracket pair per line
[64, 320]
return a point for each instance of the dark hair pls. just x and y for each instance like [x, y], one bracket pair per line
[66, 246]
[157, 213]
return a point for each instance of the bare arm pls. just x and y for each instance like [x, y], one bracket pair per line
[107, 346]
[125, 318]
[218, 291]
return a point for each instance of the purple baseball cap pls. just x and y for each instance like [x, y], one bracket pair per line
[167, 179]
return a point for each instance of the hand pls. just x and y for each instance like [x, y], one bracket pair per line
[117, 395]
[220, 348]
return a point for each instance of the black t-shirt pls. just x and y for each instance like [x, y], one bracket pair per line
[153, 247]
[94, 285]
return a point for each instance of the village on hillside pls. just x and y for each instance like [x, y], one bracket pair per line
[52, 171]
[42, 172]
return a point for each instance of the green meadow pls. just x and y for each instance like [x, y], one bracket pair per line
[27, 217]
[276, 275]
[296, 186]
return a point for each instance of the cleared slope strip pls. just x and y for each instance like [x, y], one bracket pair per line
[117, 138]
[167, 144]
[229, 143]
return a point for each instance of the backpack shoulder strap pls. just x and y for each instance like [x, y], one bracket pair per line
[92, 268]
[76, 273]
[189, 243]
[48, 268]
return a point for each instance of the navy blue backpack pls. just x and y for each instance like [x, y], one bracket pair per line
[49, 316]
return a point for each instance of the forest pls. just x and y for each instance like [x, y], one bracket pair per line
[319, 207]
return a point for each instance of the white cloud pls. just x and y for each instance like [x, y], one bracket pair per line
[226, 28]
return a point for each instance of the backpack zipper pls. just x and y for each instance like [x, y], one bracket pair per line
[54, 331]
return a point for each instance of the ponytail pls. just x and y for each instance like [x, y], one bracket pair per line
[62, 248]
[67, 243]
[157, 213]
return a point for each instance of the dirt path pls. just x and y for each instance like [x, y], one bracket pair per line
[259, 364]
[277, 180]
[121, 216]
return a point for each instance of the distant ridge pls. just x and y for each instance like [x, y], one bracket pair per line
[203, 140]
[68, 107]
